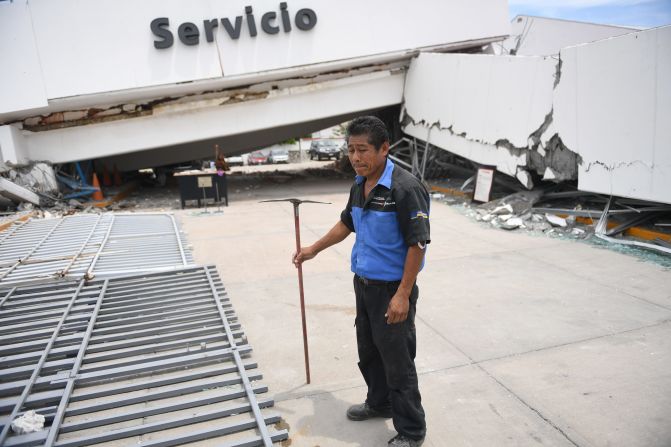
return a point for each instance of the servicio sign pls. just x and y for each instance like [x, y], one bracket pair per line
[189, 33]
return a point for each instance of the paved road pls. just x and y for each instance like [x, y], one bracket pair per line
[523, 340]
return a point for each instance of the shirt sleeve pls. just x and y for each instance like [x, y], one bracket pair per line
[412, 208]
[346, 214]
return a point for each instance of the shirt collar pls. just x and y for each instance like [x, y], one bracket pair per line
[385, 178]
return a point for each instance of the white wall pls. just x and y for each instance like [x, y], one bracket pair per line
[476, 106]
[481, 97]
[90, 47]
[21, 85]
[13, 148]
[613, 107]
[541, 36]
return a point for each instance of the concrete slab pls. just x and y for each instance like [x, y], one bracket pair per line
[611, 391]
[505, 303]
[468, 409]
[619, 272]
[485, 295]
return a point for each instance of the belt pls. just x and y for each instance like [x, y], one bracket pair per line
[374, 282]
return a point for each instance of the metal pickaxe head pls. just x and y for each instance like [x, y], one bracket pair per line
[294, 201]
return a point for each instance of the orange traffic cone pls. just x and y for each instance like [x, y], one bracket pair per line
[117, 177]
[107, 179]
[97, 195]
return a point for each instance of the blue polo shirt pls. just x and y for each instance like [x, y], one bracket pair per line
[393, 217]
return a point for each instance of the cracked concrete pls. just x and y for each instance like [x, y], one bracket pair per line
[612, 107]
[614, 166]
[595, 113]
[517, 123]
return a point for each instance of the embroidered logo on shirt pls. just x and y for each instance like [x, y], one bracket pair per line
[418, 215]
[382, 202]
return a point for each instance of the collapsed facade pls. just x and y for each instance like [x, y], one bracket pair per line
[538, 99]
[593, 112]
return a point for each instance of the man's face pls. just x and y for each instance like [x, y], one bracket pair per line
[363, 156]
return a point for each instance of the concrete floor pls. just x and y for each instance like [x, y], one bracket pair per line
[522, 340]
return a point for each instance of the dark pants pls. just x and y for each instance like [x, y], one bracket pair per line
[387, 357]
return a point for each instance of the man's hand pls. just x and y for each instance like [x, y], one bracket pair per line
[305, 254]
[398, 308]
[335, 235]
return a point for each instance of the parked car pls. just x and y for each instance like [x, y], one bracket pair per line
[278, 155]
[324, 149]
[235, 160]
[257, 158]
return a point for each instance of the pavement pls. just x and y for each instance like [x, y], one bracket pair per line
[522, 340]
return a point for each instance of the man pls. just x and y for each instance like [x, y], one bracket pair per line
[220, 161]
[388, 210]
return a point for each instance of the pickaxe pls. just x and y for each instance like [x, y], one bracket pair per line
[296, 203]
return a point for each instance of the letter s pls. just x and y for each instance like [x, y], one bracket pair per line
[165, 34]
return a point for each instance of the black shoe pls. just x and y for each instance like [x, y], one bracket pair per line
[362, 412]
[404, 441]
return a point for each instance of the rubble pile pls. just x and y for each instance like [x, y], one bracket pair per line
[577, 215]
[516, 211]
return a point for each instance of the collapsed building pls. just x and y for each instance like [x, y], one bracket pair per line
[592, 112]
[537, 99]
[85, 300]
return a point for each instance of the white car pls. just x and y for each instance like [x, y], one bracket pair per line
[236, 160]
[278, 155]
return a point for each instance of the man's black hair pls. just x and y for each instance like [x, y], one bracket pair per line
[371, 126]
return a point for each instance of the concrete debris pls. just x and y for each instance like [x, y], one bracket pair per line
[525, 178]
[518, 203]
[556, 220]
[519, 211]
[513, 223]
[539, 226]
[39, 177]
[17, 193]
[504, 209]
[25, 206]
[28, 423]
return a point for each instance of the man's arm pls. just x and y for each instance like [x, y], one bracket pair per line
[400, 302]
[336, 234]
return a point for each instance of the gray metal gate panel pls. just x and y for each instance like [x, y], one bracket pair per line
[90, 245]
[145, 242]
[157, 359]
